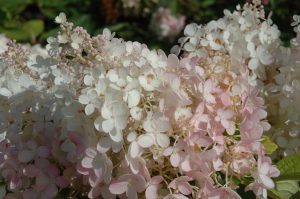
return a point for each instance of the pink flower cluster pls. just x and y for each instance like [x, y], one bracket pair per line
[101, 117]
[167, 25]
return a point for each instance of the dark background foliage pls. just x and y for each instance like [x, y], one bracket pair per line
[32, 21]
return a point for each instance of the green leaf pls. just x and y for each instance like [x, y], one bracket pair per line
[270, 146]
[83, 20]
[273, 193]
[17, 34]
[207, 3]
[34, 28]
[50, 33]
[286, 189]
[173, 5]
[13, 7]
[289, 168]
[117, 27]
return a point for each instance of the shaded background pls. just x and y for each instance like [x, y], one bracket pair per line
[32, 21]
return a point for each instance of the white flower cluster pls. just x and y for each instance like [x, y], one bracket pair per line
[283, 96]
[81, 102]
[246, 34]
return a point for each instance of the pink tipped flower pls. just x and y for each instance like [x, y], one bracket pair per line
[263, 182]
[182, 185]
[166, 24]
[129, 184]
[254, 125]
[153, 187]
[176, 153]
[225, 116]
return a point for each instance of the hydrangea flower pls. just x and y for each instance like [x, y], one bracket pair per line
[103, 117]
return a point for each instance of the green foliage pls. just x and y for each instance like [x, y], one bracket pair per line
[270, 146]
[289, 168]
[287, 184]
[33, 28]
[285, 189]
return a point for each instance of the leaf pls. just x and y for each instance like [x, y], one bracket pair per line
[50, 33]
[207, 3]
[270, 146]
[13, 7]
[273, 193]
[34, 28]
[286, 189]
[83, 20]
[118, 26]
[173, 5]
[289, 168]
[17, 34]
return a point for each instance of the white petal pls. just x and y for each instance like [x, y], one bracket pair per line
[162, 140]
[131, 136]
[25, 81]
[116, 135]
[134, 149]
[87, 162]
[89, 109]
[264, 56]
[88, 80]
[83, 99]
[264, 168]
[253, 64]
[113, 77]
[133, 98]
[120, 109]
[162, 125]
[268, 182]
[173, 60]
[121, 122]
[145, 141]
[106, 112]
[106, 33]
[13, 86]
[190, 29]
[104, 144]
[98, 123]
[61, 18]
[136, 113]
[189, 47]
[75, 45]
[5, 92]
[108, 125]
[131, 193]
